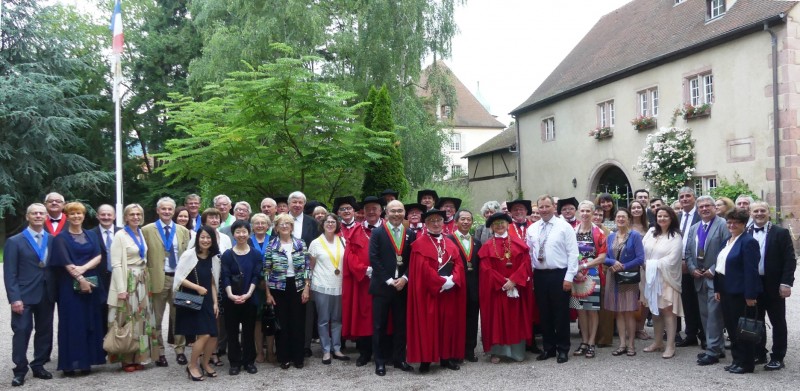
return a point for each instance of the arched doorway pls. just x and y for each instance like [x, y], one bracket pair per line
[611, 179]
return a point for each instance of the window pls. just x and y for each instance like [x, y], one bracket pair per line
[648, 102]
[549, 129]
[701, 89]
[705, 184]
[445, 112]
[679, 1]
[605, 114]
[715, 8]
[456, 170]
[455, 142]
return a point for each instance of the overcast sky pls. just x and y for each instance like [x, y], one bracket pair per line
[511, 46]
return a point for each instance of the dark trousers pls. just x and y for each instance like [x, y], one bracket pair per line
[291, 313]
[472, 327]
[775, 307]
[691, 309]
[240, 352]
[553, 305]
[364, 347]
[383, 345]
[37, 317]
[733, 306]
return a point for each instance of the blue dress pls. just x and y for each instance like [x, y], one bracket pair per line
[80, 316]
[190, 323]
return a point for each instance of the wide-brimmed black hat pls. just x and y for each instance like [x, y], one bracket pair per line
[418, 207]
[497, 216]
[566, 201]
[313, 204]
[429, 192]
[390, 192]
[526, 203]
[455, 201]
[373, 200]
[433, 211]
[348, 200]
[281, 199]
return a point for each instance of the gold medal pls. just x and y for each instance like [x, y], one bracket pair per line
[399, 260]
[336, 272]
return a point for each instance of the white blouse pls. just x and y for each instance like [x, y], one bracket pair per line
[723, 256]
[324, 279]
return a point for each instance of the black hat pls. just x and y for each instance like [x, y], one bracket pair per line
[433, 211]
[311, 205]
[455, 201]
[525, 203]
[566, 201]
[373, 200]
[497, 216]
[349, 200]
[281, 199]
[390, 192]
[418, 207]
[429, 192]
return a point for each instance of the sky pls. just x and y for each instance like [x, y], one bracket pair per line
[511, 46]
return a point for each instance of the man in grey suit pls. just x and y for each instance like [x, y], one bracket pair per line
[31, 290]
[704, 240]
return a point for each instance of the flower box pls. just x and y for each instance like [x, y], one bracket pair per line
[601, 133]
[643, 122]
[690, 112]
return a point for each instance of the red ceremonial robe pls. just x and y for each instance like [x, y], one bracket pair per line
[356, 300]
[436, 322]
[504, 320]
[449, 227]
[348, 232]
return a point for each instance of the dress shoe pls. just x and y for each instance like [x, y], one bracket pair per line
[471, 358]
[773, 365]
[404, 366]
[380, 369]
[761, 360]
[701, 354]
[732, 365]
[251, 369]
[449, 364]
[688, 341]
[533, 349]
[707, 360]
[162, 362]
[562, 357]
[42, 373]
[181, 359]
[18, 380]
[233, 371]
[739, 370]
[361, 361]
[678, 338]
[340, 356]
[545, 355]
[649, 323]
[425, 367]
[286, 365]
[307, 352]
[326, 361]
[299, 365]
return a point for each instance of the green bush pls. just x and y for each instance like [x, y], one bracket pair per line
[733, 189]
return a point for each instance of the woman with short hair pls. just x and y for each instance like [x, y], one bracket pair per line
[723, 205]
[587, 283]
[259, 239]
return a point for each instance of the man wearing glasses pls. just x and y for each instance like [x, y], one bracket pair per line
[55, 221]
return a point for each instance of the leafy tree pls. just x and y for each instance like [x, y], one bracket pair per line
[270, 130]
[388, 171]
[733, 189]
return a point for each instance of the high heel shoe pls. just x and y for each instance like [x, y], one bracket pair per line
[668, 354]
[653, 348]
[208, 373]
[188, 372]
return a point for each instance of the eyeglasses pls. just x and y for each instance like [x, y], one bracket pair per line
[284, 225]
[55, 201]
[330, 222]
[241, 210]
[345, 209]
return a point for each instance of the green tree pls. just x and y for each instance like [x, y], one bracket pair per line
[733, 189]
[270, 130]
[388, 172]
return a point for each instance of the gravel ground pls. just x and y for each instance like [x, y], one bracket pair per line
[645, 371]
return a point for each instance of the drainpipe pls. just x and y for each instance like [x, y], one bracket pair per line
[519, 158]
[776, 121]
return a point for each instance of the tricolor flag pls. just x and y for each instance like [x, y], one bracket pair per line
[116, 47]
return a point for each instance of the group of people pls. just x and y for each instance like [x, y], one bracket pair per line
[408, 283]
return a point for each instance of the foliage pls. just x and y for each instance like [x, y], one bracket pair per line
[689, 111]
[270, 130]
[456, 189]
[601, 133]
[733, 189]
[643, 122]
[667, 160]
[388, 171]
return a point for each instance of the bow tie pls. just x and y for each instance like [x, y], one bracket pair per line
[757, 229]
[464, 237]
[521, 225]
[55, 220]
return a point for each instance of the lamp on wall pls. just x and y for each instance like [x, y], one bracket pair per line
[574, 182]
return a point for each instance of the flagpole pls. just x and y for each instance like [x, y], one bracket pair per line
[118, 147]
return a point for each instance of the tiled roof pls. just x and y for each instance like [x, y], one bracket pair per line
[469, 112]
[641, 33]
[506, 139]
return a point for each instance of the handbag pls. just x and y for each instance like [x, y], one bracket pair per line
[76, 286]
[626, 277]
[269, 320]
[120, 339]
[236, 279]
[750, 330]
[189, 301]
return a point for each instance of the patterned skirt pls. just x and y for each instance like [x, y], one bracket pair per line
[620, 297]
[137, 309]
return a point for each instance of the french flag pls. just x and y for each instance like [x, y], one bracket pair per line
[116, 28]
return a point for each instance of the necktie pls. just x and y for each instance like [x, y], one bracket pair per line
[396, 231]
[38, 239]
[543, 240]
[701, 237]
[685, 221]
[108, 249]
[172, 261]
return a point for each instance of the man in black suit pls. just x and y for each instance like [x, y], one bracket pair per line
[307, 229]
[31, 290]
[468, 247]
[776, 269]
[643, 196]
[389, 251]
[105, 231]
[691, 308]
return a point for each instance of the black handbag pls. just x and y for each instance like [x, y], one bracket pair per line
[269, 321]
[626, 277]
[237, 279]
[190, 301]
[750, 330]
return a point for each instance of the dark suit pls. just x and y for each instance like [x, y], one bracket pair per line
[473, 306]
[779, 267]
[739, 283]
[691, 309]
[36, 287]
[651, 217]
[310, 230]
[105, 275]
[385, 298]
[309, 233]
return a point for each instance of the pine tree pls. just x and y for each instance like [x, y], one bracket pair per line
[388, 172]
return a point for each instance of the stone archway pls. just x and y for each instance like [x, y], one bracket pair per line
[610, 178]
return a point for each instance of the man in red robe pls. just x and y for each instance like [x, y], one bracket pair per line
[345, 208]
[356, 300]
[449, 205]
[436, 319]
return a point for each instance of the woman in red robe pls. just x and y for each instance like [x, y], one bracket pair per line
[505, 280]
[437, 302]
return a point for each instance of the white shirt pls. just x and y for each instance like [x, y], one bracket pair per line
[686, 221]
[723, 256]
[297, 230]
[761, 237]
[324, 279]
[287, 249]
[560, 246]
[171, 226]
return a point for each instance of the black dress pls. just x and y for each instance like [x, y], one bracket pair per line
[191, 323]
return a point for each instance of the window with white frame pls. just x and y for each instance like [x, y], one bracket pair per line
[455, 142]
[679, 1]
[549, 129]
[605, 114]
[648, 102]
[701, 89]
[715, 8]
[705, 184]
[456, 170]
